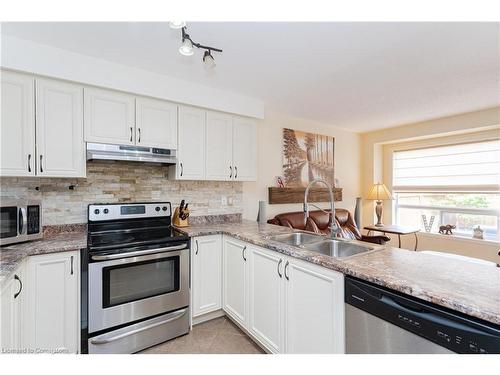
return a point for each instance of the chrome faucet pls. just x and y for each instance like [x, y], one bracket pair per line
[334, 228]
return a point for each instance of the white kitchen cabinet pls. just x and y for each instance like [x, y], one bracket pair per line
[219, 147]
[52, 298]
[11, 296]
[17, 131]
[60, 148]
[244, 149]
[191, 143]
[314, 309]
[235, 280]
[206, 255]
[109, 116]
[266, 298]
[156, 123]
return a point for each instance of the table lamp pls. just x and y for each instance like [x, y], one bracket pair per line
[379, 192]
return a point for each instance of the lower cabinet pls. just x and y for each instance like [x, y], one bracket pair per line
[206, 255]
[235, 291]
[287, 305]
[314, 312]
[266, 296]
[11, 296]
[51, 302]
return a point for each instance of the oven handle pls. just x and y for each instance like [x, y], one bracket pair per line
[171, 317]
[137, 253]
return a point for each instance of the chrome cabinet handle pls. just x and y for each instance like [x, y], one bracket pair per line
[72, 265]
[182, 170]
[235, 171]
[131, 133]
[230, 172]
[243, 253]
[20, 286]
[29, 162]
[197, 247]
[279, 264]
[139, 141]
[41, 168]
[286, 268]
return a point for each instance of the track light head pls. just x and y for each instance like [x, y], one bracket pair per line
[208, 60]
[186, 48]
[177, 24]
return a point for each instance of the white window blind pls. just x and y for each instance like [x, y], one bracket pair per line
[462, 167]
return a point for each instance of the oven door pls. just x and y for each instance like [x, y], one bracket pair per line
[13, 224]
[127, 287]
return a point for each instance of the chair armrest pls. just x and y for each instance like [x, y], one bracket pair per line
[273, 221]
[380, 240]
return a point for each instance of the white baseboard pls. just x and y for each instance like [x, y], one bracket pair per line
[208, 316]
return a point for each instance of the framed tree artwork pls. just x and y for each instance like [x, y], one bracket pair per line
[307, 156]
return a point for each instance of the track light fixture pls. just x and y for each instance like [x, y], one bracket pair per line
[187, 45]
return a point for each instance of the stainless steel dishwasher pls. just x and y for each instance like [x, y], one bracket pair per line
[380, 321]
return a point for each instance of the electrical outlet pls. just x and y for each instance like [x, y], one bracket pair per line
[224, 201]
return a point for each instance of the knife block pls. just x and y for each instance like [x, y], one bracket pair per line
[177, 221]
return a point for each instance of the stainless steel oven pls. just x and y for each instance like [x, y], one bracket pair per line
[20, 220]
[135, 278]
[124, 288]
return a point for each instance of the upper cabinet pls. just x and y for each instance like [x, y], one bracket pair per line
[215, 146]
[124, 119]
[244, 149]
[109, 116]
[219, 146]
[191, 155]
[156, 123]
[17, 131]
[47, 143]
[59, 129]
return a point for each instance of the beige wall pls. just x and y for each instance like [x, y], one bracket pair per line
[347, 158]
[377, 145]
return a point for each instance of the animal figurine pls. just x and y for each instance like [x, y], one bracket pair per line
[446, 229]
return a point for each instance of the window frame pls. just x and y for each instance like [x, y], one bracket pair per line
[385, 173]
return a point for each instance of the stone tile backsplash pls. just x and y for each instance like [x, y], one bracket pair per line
[119, 182]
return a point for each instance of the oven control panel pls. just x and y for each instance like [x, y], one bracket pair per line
[117, 211]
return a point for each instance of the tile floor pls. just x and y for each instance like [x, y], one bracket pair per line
[218, 336]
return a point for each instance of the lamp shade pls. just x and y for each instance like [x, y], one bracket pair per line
[379, 192]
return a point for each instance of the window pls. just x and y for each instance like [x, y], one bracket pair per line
[456, 184]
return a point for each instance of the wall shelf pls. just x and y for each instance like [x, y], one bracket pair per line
[296, 195]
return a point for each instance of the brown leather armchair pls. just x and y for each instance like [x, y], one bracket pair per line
[319, 222]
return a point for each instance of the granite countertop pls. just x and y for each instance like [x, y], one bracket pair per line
[472, 289]
[12, 256]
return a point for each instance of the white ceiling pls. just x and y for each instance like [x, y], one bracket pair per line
[359, 76]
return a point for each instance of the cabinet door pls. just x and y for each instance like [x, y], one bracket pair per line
[266, 298]
[17, 125]
[244, 149]
[314, 309]
[219, 146]
[11, 296]
[207, 274]
[59, 129]
[109, 116]
[156, 123]
[191, 154]
[52, 302]
[235, 280]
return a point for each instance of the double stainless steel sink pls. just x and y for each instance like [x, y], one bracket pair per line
[338, 248]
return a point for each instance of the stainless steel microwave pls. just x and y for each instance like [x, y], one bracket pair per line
[20, 220]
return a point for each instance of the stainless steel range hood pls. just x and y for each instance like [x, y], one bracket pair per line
[97, 151]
